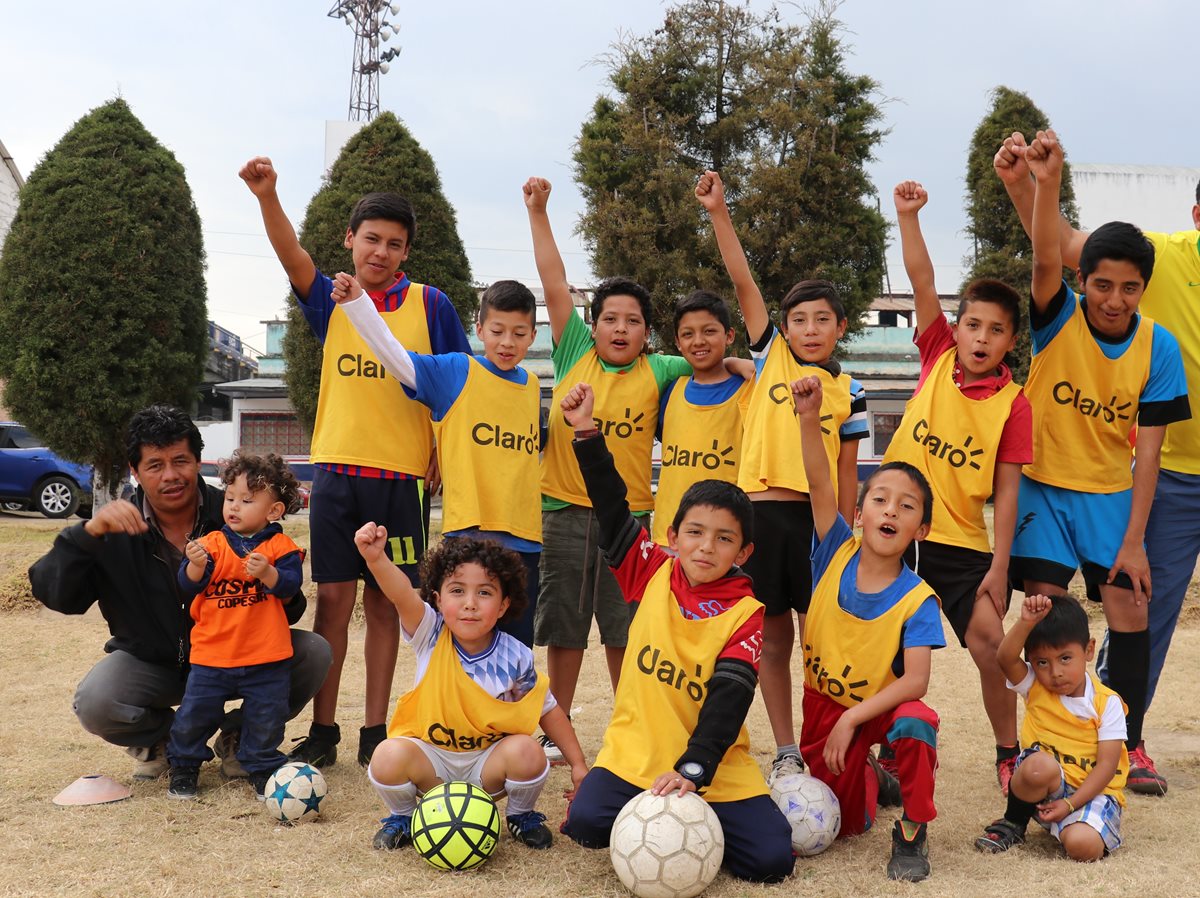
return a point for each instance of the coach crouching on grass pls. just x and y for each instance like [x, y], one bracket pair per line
[126, 558]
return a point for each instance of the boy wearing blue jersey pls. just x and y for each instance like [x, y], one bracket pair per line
[1099, 368]
[372, 446]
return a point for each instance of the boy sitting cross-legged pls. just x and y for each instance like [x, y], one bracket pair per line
[872, 626]
[471, 681]
[688, 679]
[1071, 774]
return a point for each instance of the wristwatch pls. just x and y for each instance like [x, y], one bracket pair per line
[692, 770]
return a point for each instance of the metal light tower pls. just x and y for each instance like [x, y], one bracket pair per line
[370, 31]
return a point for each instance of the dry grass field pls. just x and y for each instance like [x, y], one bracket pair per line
[224, 844]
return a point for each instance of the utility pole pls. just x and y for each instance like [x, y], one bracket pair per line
[371, 31]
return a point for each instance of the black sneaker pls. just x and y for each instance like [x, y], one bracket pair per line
[183, 783]
[368, 740]
[319, 747]
[889, 786]
[530, 828]
[910, 859]
[1000, 835]
[259, 782]
[396, 832]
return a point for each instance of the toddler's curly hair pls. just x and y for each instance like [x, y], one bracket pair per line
[264, 472]
[503, 564]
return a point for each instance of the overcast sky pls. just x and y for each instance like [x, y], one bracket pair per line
[497, 92]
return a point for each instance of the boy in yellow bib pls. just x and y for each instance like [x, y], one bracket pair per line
[811, 321]
[872, 628]
[476, 698]
[678, 720]
[1099, 367]
[1072, 772]
[968, 428]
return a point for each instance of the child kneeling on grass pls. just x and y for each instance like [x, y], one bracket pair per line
[476, 698]
[1071, 775]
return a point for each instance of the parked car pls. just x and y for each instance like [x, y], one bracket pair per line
[33, 477]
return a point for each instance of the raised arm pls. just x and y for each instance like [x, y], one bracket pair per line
[546, 256]
[1045, 157]
[370, 540]
[910, 197]
[1010, 166]
[711, 194]
[371, 327]
[1008, 655]
[260, 176]
[806, 394]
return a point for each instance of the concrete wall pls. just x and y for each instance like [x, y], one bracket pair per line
[1153, 197]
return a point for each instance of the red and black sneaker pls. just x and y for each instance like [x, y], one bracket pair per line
[1144, 779]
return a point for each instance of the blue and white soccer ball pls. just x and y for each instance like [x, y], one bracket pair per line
[294, 792]
[811, 809]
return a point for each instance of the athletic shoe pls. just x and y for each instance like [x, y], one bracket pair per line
[1000, 835]
[910, 859]
[319, 747]
[1144, 779]
[150, 762]
[530, 828]
[259, 783]
[889, 786]
[225, 748]
[396, 832]
[1004, 773]
[553, 753]
[183, 782]
[368, 740]
[887, 760]
[785, 765]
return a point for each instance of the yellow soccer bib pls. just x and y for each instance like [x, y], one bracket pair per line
[1048, 725]
[952, 440]
[487, 447]
[664, 677]
[363, 416]
[700, 442]
[626, 411]
[1084, 405]
[450, 710]
[771, 439]
[847, 658]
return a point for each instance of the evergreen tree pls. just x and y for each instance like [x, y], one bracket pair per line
[1002, 248]
[102, 294]
[772, 108]
[383, 156]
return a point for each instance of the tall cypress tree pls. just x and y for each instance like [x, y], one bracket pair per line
[383, 156]
[1002, 248]
[102, 294]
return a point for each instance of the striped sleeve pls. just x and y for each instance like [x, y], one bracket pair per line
[855, 426]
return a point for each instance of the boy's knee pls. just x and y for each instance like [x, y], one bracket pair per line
[588, 824]
[1082, 843]
[392, 762]
[772, 859]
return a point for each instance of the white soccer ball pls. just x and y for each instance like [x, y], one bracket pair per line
[667, 846]
[812, 811]
[294, 792]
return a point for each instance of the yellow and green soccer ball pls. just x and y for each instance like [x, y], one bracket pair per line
[456, 826]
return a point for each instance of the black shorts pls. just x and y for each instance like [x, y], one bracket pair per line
[341, 503]
[954, 573]
[781, 563]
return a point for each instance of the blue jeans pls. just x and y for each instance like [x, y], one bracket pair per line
[263, 689]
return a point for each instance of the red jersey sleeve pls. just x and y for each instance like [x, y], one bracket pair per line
[640, 563]
[1016, 440]
[746, 642]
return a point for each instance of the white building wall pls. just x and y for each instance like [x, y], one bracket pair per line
[10, 186]
[1153, 197]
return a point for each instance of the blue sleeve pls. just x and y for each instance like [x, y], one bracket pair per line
[1043, 331]
[823, 553]
[855, 426]
[924, 627]
[186, 585]
[1167, 380]
[446, 332]
[667, 392]
[290, 569]
[318, 305]
[440, 380]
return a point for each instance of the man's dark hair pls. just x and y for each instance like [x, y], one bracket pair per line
[503, 564]
[264, 472]
[997, 293]
[508, 296]
[386, 206]
[159, 426]
[1065, 624]
[1198, 192]
[1121, 241]
[718, 494]
[808, 291]
[620, 286]
[702, 301]
[914, 475]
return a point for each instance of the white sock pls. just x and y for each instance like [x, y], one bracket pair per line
[523, 795]
[399, 799]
